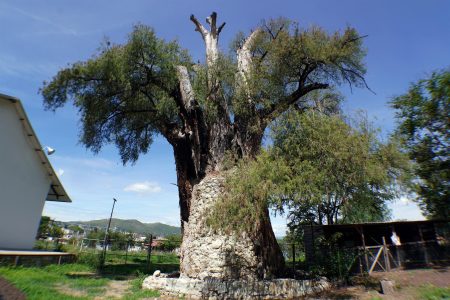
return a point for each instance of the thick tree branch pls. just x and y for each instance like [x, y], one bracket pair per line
[199, 27]
[278, 108]
[244, 59]
[187, 93]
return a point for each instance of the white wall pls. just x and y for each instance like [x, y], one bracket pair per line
[23, 183]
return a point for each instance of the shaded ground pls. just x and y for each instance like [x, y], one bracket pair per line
[9, 292]
[410, 284]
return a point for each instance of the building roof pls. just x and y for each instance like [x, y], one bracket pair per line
[387, 223]
[57, 191]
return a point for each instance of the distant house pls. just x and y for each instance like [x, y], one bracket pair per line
[27, 179]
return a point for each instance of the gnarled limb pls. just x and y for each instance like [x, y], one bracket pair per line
[244, 60]
[210, 37]
[275, 110]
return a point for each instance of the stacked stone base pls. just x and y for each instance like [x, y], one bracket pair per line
[213, 288]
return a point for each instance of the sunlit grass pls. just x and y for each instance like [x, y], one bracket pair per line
[430, 292]
[70, 281]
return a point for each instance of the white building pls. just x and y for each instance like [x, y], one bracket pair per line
[26, 178]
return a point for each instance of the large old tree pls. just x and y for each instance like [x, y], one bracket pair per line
[208, 112]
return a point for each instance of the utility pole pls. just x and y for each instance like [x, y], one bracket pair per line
[102, 263]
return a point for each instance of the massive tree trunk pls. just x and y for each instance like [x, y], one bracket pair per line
[199, 150]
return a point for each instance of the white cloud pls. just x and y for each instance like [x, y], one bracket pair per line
[142, 188]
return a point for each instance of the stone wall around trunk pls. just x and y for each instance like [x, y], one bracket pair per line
[214, 288]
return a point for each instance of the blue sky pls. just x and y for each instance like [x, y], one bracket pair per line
[406, 41]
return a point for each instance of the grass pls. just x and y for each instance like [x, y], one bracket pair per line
[44, 283]
[135, 291]
[73, 281]
[430, 292]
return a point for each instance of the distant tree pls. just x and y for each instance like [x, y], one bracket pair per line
[118, 240]
[56, 231]
[171, 243]
[48, 228]
[44, 227]
[423, 114]
[319, 169]
[76, 228]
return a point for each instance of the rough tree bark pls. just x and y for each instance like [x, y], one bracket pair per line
[199, 149]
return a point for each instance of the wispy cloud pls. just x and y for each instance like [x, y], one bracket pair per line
[45, 20]
[143, 188]
[12, 66]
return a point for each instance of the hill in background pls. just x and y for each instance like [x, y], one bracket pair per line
[136, 226]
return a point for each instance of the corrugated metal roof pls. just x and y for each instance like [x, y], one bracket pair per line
[57, 191]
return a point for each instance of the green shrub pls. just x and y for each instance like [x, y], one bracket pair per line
[89, 258]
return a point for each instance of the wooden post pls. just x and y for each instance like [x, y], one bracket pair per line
[424, 246]
[59, 259]
[387, 263]
[360, 264]
[16, 261]
[365, 250]
[293, 259]
[126, 252]
[339, 262]
[149, 250]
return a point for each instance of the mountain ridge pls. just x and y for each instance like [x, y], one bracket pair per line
[132, 225]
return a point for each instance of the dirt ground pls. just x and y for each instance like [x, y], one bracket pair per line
[406, 283]
[8, 291]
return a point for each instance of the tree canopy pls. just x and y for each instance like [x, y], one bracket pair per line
[319, 169]
[424, 126]
[128, 93]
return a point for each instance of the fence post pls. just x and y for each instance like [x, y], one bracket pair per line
[387, 263]
[366, 258]
[126, 252]
[424, 246]
[149, 250]
[293, 259]
[339, 262]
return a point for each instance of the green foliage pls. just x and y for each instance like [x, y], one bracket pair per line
[424, 126]
[43, 283]
[319, 169]
[331, 260]
[286, 243]
[285, 55]
[123, 93]
[332, 172]
[47, 228]
[128, 93]
[44, 227]
[89, 258]
[57, 282]
[173, 242]
[242, 207]
[76, 228]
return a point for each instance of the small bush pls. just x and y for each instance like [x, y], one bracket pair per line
[89, 258]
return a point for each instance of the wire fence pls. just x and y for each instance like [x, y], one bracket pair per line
[119, 256]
